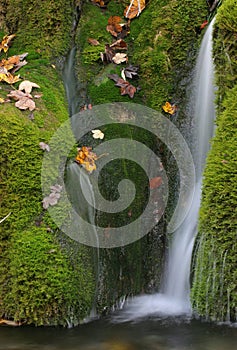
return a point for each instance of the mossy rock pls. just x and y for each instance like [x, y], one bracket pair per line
[214, 284]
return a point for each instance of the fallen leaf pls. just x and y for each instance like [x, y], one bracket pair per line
[2, 100]
[18, 66]
[25, 103]
[9, 78]
[119, 44]
[128, 90]
[44, 146]
[131, 71]
[93, 42]
[114, 25]
[168, 108]
[108, 55]
[123, 74]
[4, 45]
[120, 58]
[17, 95]
[27, 86]
[86, 158]
[98, 134]
[155, 182]
[53, 198]
[134, 9]
[125, 87]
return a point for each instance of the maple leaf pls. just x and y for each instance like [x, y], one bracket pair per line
[120, 58]
[4, 45]
[9, 78]
[98, 134]
[125, 87]
[134, 9]
[25, 103]
[168, 108]
[27, 86]
[117, 28]
[86, 158]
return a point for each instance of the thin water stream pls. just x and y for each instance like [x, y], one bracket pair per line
[174, 298]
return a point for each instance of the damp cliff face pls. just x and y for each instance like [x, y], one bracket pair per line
[164, 43]
[214, 285]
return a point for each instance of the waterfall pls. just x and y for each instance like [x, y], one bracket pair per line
[173, 300]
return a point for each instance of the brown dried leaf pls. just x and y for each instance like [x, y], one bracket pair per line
[128, 90]
[108, 55]
[17, 95]
[119, 44]
[25, 103]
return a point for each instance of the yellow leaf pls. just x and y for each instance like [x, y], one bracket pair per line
[4, 45]
[11, 79]
[168, 108]
[86, 158]
[2, 100]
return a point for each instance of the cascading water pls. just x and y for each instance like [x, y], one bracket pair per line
[173, 300]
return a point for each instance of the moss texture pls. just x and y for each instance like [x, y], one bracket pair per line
[214, 287]
[163, 42]
[44, 279]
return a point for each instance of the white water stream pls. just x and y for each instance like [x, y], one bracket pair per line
[174, 300]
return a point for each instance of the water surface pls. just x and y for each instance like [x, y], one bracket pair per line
[151, 334]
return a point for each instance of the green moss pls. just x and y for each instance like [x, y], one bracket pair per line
[44, 277]
[43, 287]
[43, 27]
[214, 285]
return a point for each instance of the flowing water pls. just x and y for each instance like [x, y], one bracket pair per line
[174, 296]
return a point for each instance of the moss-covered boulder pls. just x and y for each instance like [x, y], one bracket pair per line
[45, 278]
[214, 286]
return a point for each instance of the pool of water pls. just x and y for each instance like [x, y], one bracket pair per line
[150, 334]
